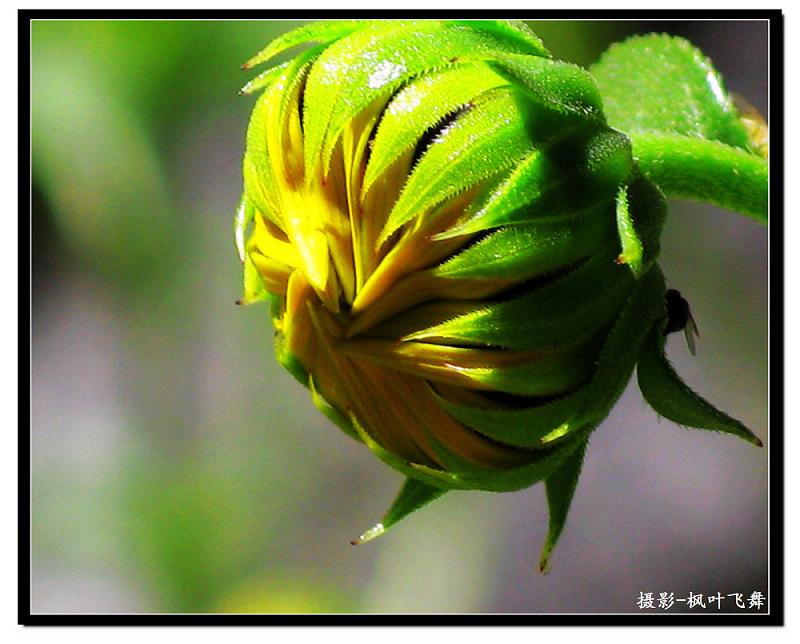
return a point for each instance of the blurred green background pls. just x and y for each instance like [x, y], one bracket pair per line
[177, 468]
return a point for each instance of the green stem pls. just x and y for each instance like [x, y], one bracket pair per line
[703, 170]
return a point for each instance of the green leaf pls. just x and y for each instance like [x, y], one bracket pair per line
[560, 488]
[560, 313]
[542, 463]
[708, 171]
[328, 31]
[631, 244]
[509, 31]
[563, 87]
[669, 396]
[282, 91]
[466, 475]
[550, 375]
[527, 373]
[526, 250]
[560, 178]
[264, 79]
[365, 69]
[258, 180]
[641, 214]
[687, 133]
[419, 106]
[290, 362]
[660, 83]
[431, 476]
[523, 427]
[413, 495]
[485, 140]
[241, 224]
[253, 290]
[621, 350]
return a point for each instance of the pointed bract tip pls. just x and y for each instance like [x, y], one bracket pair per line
[375, 531]
[544, 558]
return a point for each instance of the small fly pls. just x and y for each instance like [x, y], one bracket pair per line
[679, 318]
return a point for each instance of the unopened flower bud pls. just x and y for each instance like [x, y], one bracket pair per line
[459, 251]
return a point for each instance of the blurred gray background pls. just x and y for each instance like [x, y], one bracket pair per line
[177, 468]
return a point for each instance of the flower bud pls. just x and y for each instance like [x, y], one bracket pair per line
[459, 251]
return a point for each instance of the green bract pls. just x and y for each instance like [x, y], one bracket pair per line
[460, 251]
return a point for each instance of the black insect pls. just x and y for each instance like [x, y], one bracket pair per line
[679, 318]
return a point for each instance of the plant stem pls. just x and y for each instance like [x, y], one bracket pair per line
[704, 170]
